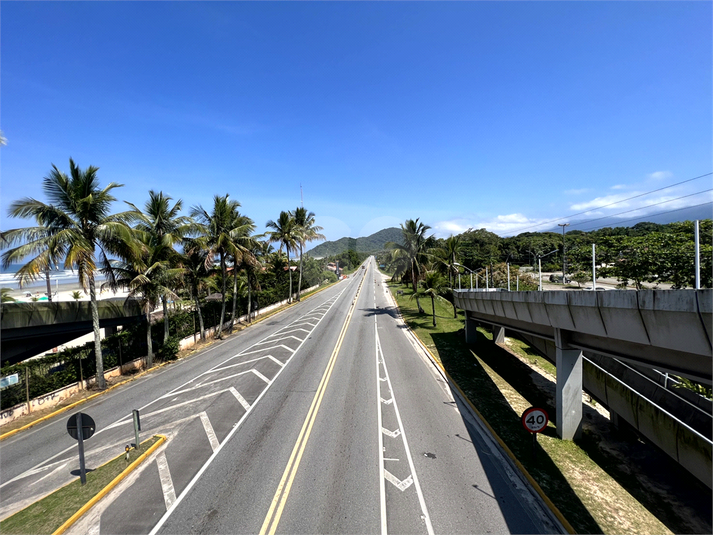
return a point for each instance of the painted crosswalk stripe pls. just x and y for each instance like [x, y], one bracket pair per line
[401, 485]
[209, 431]
[240, 398]
[164, 474]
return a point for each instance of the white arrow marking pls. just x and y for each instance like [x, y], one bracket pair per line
[401, 485]
[382, 378]
[392, 434]
[387, 401]
[52, 472]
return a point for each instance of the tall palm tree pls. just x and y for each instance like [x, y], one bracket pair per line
[74, 226]
[147, 274]
[434, 286]
[307, 231]
[243, 244]
[447, 255]
[286, 234]
[195, 274]
[218, 228]
[413, 250]
[164, 226]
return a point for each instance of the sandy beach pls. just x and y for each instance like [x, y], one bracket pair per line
[63, 292]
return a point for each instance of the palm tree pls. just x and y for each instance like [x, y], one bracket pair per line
[413, 250]
[220, 234]
[435, 285]
[76, 295]
[163, 225]
[447, 255]
[286, 234]
[146, 273]
[242, 253]
[195, 273]
[307, 231]
[74, 226]
[5, 296]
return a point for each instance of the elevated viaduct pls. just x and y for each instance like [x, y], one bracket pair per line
[596, 339]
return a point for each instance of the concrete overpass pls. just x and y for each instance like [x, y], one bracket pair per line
[666, 330]
[28, 329]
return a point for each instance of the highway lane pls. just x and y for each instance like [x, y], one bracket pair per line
[340, 424]
[360, 436]
[41, 459]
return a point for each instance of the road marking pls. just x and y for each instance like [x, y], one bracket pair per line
[261, 376]
[421, 500]
[240, 398]
[390, 459]
[269, 348]
[164, 474]
[382, 475]
[392, 434]
[401, 485]
[49, 473]
[277, 506]
[282, 337]
[214, 444]
[387, 401]
[276, 361]
[237, 426]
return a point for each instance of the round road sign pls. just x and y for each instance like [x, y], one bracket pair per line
[534, 419]
[88, 426]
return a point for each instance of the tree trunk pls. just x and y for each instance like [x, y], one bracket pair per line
[101, 382]
[299, 285]
[418, 304]
[289, 299]
[222, 309]
[149, 344]
[235, 293]
[250, 298]
[455, 310]
[433, 308]
[49, 284]
[413, 280]
[200, 315]
[164, 302]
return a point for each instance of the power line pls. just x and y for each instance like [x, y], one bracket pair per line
[611, 204]
[655, 214]
[641, 208]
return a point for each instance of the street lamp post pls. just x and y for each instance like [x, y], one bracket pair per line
[564, 258]
[539, 266]
[469, 271]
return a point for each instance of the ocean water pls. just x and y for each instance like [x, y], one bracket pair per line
[57, 276]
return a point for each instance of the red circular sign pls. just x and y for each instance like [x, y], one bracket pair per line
[535, 420]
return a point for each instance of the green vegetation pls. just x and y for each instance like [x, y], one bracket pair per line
[48, 514]
[369, 244]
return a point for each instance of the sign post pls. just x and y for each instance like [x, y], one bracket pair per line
[81, 427]
[534, 420]
[137, 427]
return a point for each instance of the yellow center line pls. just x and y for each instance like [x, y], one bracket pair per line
[283, 489]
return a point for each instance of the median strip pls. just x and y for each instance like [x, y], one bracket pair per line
[57, 512]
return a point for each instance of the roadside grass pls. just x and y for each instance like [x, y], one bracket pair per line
[49, 513]
[501, 386]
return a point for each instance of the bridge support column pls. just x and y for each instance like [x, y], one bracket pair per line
[471, 332]
[569, 388]
[498, 334]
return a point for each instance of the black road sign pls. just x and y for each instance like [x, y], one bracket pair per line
[88, 426]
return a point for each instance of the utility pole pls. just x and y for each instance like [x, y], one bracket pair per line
[564, 257]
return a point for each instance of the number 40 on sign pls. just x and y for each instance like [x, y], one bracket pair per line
[534, 420]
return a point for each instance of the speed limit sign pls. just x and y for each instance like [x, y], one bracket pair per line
[535, 420]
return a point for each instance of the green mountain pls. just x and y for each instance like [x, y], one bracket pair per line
[368, 244]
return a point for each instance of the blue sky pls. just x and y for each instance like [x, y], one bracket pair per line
[466, 114]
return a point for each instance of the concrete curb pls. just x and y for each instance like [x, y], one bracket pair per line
[510, 454]
[79, 402]
[91, 503]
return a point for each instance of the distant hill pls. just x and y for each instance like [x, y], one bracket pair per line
[368, 244]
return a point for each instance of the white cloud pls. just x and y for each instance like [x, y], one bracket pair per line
[602, 201]
[618, 186]
[503, 225]
[660, 175]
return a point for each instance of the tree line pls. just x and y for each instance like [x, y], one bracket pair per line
[156, 253]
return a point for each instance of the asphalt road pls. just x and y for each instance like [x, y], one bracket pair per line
[327, 418]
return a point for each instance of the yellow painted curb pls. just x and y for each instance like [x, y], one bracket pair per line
[91, 503]
[510, 454]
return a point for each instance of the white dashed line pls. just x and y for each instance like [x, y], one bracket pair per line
[164, 474]
[209, 431]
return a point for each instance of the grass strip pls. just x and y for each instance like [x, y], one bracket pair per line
[501, 387]
[51, 512]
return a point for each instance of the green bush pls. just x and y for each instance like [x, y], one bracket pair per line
[169, 350]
